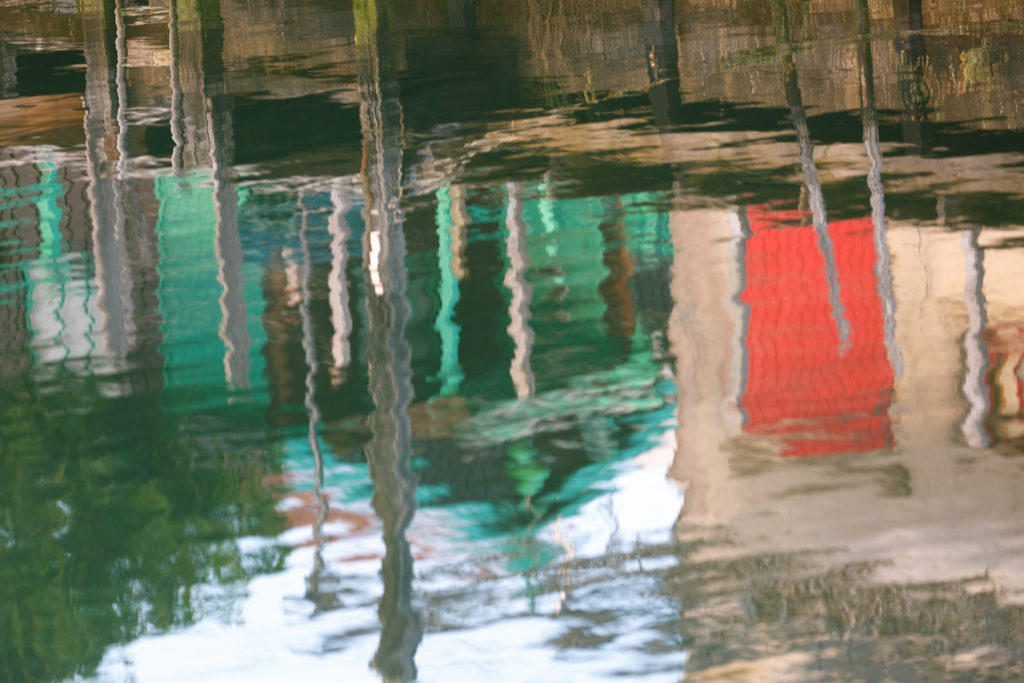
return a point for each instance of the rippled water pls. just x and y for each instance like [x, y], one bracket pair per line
[537, 341]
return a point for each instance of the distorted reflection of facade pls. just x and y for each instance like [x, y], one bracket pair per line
[384, 302]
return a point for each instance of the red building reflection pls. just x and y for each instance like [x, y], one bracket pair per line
[817, 395]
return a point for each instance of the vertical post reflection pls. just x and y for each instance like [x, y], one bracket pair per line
[177, 104]
[910, 62]
[337, 285]
[519, 308]
[227, 241]
[389, 450]
[883, 259]
[322, 599]
[819, 217]
[105, 126]
[662, 54]
[8, 69]
[975, 347]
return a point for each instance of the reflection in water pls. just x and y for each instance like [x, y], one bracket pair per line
[816, 199]
[228, 244]
[173, 395]
[911, 60]
[869, 116]
[341, 319]
[452, 224]
[389, 450]
[105, 124]
[662, 61]
[322, 599]
[519, 308]
[976, 355]
[8, 69]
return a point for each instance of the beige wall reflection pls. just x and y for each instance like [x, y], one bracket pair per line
[931, 507]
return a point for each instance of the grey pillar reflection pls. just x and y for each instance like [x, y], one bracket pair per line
[819, 216]
[105, 127]
[189, 21]
[320, 585]
[337, 285]
[228, 243]
[389, 450]
[872, 144]
[177, 104]
[519, 307]
[976, 363]
[662, 54]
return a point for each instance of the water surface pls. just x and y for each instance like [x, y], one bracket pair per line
[529, 340]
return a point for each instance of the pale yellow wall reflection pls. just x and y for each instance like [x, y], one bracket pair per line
[932, 506]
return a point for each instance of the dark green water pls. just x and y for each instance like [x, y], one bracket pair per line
[531, 341]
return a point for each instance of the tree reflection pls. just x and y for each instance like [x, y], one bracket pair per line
[115, 509]
[110, 518]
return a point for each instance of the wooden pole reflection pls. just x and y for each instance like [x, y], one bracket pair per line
[389, 450]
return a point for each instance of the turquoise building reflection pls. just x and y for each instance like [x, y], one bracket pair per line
[200, 344]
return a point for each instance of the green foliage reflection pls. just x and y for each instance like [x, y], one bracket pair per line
[111, 513]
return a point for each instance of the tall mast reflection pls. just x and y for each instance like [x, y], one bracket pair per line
[872, 144]
[819, 216]
[389, 450]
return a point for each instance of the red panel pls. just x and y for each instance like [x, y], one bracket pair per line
[800, 385]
